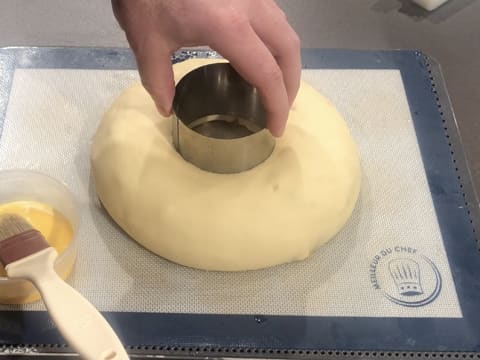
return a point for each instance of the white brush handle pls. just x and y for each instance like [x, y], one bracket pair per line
[82, 326]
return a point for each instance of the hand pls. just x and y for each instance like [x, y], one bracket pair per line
[253, 35]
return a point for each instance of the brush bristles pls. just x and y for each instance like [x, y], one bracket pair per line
[11, 225]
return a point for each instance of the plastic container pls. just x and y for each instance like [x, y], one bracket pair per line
[22, 185]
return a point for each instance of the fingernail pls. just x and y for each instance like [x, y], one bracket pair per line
[277, 131]
[162, 110]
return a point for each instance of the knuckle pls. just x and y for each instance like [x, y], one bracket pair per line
[272, 6]
[294, 41]
[234, 20]
[272, 74]
[282, 14]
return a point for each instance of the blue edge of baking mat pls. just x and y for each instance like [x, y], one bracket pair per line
[295, 332]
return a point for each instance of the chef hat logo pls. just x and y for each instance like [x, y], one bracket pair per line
[406, 275]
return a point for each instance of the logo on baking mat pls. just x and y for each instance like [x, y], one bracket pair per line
[405, 276]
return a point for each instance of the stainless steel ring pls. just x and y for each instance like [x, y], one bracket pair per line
[219, 123]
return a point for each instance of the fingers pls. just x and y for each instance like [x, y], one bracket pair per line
[151, 51]
[254, 35]
[155, 68]
[284, 43]
[255, 63]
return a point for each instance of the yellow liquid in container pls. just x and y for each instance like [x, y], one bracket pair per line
[58, 232]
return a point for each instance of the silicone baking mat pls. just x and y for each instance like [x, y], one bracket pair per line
[349, 295]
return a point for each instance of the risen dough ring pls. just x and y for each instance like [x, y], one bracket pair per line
[278, 212]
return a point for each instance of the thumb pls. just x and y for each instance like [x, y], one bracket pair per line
[155, 68]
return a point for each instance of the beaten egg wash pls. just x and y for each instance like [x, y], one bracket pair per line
[53, 225]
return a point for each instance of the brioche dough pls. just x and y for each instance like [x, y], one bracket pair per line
[278, 212]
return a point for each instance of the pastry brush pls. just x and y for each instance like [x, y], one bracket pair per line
[25, 254]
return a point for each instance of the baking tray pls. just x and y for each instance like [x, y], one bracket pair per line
[256, 335]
